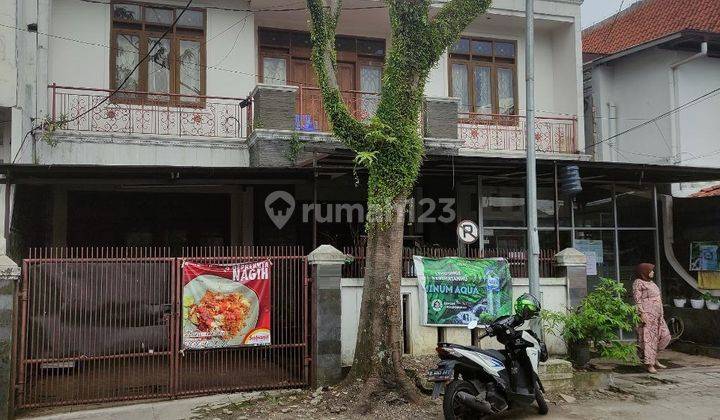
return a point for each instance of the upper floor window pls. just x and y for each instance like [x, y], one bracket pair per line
[176, 65]
[483, 74]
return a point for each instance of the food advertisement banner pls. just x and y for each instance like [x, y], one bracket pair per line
[455, 291]
[226, 305]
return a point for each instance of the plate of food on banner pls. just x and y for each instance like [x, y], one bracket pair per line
[218, 312]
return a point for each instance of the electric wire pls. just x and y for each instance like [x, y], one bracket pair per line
[692, 102]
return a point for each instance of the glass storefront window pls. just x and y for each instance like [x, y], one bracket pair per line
[549, 241]
[503, 206]
[635, 247]
[594, 206]
[604, 242]
[634, 206]
[505, 239]
[546, 208]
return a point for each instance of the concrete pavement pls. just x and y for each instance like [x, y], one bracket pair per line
[689, 390]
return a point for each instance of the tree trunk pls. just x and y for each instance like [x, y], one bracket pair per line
[379, 349]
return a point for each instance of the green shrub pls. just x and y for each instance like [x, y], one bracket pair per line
[597, 321]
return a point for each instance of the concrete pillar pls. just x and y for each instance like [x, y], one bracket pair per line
[326, 262]
[573, 264]
[274, 107]
[441, 118]
[9, 276]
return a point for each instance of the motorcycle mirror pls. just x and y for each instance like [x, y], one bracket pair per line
[472, 324]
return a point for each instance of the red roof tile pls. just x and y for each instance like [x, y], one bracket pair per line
[649, 20]
[713, 191]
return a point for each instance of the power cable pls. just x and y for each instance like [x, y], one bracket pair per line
[659, 117]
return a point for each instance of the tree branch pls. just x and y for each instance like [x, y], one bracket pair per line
[452, 19]
[324, 17]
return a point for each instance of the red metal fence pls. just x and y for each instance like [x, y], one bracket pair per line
[517, 259]
[163, 114]
[104, 324]
[507, 133]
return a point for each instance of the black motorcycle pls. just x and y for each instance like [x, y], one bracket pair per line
[480, 383]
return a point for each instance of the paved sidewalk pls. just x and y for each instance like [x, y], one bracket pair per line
[688, 391]
[187, 408]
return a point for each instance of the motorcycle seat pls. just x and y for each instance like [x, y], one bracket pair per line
[497, 354]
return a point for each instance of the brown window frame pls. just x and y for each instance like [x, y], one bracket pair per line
[146, 30]
[290, 52]
[494, 62]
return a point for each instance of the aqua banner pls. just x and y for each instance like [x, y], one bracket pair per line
[455, 291]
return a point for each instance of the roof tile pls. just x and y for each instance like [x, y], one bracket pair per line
[713, 191]
[649, 20]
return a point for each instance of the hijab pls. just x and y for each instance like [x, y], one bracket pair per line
[643, 271]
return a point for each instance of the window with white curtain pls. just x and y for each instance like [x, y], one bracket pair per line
[483, 76]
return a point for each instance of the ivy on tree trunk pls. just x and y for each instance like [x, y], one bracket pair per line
[390, 145]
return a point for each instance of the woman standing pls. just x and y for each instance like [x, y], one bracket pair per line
[653, 334]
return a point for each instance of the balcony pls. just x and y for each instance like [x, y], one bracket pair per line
[281, 112]
[507, 133]
[311, 115]
[168, 115]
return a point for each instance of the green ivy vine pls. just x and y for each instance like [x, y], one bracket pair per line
[49, 126]
[295, 146]
[389, 145]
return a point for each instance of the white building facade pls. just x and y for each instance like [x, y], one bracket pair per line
[657, 103]
[72, 53]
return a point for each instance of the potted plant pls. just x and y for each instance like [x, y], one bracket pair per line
[712, 302]
[596, 324]
[697, 303]
[680, 302]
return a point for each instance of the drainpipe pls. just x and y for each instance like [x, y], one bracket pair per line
[669, 238]
[676, 157]
[612, 131]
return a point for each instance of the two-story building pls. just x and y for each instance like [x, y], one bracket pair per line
[184, 148]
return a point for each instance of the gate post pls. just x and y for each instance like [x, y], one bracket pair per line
[326, 262]
[9, 276]
[574, 264]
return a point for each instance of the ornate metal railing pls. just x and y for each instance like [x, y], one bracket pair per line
[162, 114]
[507, 133]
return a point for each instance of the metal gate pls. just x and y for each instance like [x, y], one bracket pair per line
[104, 324]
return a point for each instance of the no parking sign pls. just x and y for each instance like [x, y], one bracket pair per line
[468, 231]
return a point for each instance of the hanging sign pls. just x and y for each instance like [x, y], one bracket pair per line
[455, 291]
[226, 305]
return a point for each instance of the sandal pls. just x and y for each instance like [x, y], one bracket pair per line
[660, 365]
[651, 369]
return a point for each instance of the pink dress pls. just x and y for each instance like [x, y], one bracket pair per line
[653, 335]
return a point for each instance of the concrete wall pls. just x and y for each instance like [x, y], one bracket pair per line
[8, 62]
[423, 340]
[637, 88]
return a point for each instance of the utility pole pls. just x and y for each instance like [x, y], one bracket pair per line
[533, 242]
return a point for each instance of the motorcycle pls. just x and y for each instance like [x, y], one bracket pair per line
[479, 383]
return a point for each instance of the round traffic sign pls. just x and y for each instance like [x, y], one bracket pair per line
[468, 231]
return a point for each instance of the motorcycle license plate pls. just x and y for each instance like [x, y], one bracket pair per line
[440, 375]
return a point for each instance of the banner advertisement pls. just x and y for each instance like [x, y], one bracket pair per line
[226, 305]
[455, 291]
[704, 256]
